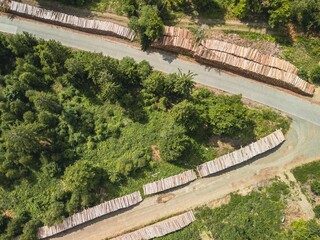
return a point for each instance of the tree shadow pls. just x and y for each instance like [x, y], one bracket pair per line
[11, 16]
[67, 9]
[167, 55]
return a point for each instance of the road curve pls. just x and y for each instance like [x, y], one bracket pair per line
[302, 143]
[267, 95]
[301, 146]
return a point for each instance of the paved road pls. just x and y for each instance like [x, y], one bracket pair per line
[302, 144]
[208, 76]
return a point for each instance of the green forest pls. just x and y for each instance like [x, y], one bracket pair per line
[78, 128]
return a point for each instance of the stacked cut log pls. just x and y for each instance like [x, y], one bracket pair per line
[98, 26]
[243, 154]
[246, 61]
[253, 69]
[176, 40]
[170, 182]
[161, 228]
[249, 54]
[90, 214]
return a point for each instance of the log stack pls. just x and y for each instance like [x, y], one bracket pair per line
[170, 182]
[176, 40]
[161, 228]
[241, 155]
[90, 214]
[84, 24]
[249, 54]
[242, 60]
[256, 70]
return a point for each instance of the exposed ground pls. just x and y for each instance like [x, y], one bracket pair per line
[298, 206]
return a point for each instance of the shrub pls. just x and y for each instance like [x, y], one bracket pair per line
[315, 188]
[315, 74]
[317, 211]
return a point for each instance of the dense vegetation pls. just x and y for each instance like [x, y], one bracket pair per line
[305, 13]
[78, 128]
[254, 216]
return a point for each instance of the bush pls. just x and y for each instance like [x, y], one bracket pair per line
[317, 211]
[315, 74]
[149, 25]
[30, 230]
[307, 171]
[315, 188]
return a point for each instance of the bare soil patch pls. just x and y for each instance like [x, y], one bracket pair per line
[155, 153]
[165, 197]
[264, 46]
[298, 207]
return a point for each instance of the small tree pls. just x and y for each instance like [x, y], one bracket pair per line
[173, 143]
[280, 12]
[81, 176]
[179, 86]
[149, 25]
[187, 115]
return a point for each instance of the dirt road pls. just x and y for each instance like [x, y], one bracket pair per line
[302, 146]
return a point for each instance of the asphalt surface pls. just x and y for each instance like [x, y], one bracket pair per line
[212, 77]
[302, 143]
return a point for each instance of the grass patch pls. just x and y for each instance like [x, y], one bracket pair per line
[304, 54]
[254, 216]
[267, 121]
[252, 35]
[307, 172]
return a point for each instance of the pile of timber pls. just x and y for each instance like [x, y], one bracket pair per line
[253, 69]
[249, 54]
[90, 214]
[176, 40]
[241, 155]
[170, 182]
[246, 61]
[71, 21]
[161, 228]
